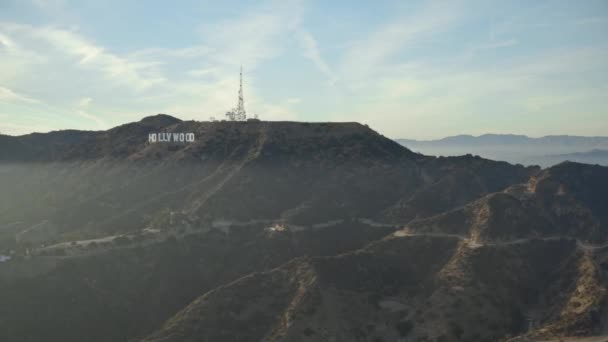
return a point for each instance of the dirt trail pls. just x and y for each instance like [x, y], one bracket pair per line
[474, 243]
[253, 153]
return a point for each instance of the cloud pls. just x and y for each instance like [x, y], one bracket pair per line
[66, 69]
[82, 109]
[6, 43]
[435, 97]
[190, 52]
[84, 102]
[253, 37]
[394, 85]
[7, 95]
[311, 51]
[100, 123]
[279, 112]
[207, 72]
[369, 56]
[60, 44]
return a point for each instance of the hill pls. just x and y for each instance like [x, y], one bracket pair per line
[405, 287]
[446, 278]
[288, 231]
[70, 184]
[565, 200]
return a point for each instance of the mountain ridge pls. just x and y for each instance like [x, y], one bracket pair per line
[520, 149]
[319, 172]
[496, 137]
[130, 141]
[423, 284]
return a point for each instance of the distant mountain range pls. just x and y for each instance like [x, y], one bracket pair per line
[545, 151]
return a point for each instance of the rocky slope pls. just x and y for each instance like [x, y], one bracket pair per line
[530, 262]
[565, 200]
[410, 288]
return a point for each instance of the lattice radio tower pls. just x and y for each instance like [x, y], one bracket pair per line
[238, 113]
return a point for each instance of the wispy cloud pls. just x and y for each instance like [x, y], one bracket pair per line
[253, 37]
[59, 44]
[7, 95]
[100, 123]
[431, 97]
[311, 51]
[146, 79]
[195, 51]
[82, 109]
[370, 55]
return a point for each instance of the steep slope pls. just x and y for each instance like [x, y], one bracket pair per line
[115, 293]
[405, 287]
[314, 309]
[509, 264]
[565, 200]
[249, 309]
[455, 182]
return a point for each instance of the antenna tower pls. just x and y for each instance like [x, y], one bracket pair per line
[238, 113]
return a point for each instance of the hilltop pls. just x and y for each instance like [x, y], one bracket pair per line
[316, 173]
[214, 140]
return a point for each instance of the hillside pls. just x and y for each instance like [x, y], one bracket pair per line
[405, 287]
[117, 292]
[451, 277]
[565, 200]
[316, 173]
[290, 231]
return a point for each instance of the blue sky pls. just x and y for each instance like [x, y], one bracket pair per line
[409, 69]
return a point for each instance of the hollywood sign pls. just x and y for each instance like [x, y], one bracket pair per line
[170, 137]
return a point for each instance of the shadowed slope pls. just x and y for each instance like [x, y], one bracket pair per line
[565, 200]
[94, 184]
[422, 288]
